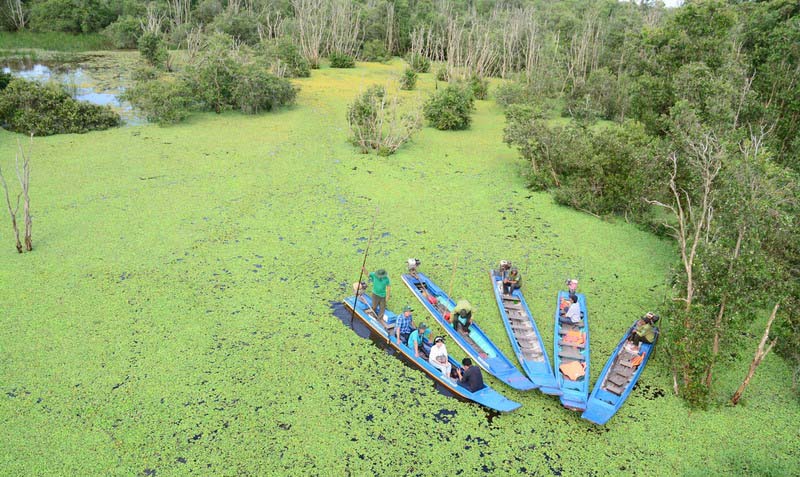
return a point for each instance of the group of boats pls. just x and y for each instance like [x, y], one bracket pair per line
[568, 378]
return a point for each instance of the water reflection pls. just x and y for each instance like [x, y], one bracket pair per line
[79, 83]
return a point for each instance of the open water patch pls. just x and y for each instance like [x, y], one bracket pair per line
[78, 82]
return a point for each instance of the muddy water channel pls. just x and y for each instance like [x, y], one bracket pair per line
[85, 81]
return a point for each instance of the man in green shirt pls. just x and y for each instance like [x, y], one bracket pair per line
[381, 288]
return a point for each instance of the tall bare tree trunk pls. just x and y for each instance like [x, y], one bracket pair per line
[762, 351]
[12, 210]
[24, 177]
[16, 14]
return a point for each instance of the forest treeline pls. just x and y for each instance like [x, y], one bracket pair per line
[683, 120]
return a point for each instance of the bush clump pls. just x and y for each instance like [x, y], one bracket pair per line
[341, 60]
[408, 80]
[42, 110]
[285, 59]
[450, 108]
[5, 78]
[512, 92]
[442, 74]
[420, 63]
[376, 123]
[479, 87]
[375, 50]
[124, 33]
[153, 49]
[163, 101]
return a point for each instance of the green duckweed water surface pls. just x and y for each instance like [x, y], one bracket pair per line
[175, 316]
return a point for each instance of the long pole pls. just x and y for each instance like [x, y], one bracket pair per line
[363, 264]
[453, 276]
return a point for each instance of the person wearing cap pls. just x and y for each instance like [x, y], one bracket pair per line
[511, 281]
[417, 340]
[644, 330]
[381, 288]
[438, 357]
[404, 325]
[471, 378]
[462, 316]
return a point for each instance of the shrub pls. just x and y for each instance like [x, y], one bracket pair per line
[225, 77]
[442, 74]
[5, 78]
[604, 172]
[450, 107]
[241, 26]
[512, 93]
[153, 49]
[375, 50]
[420, 63]
[124, 33]
[31, 108]
[86, 16]
[341, 60]
[376, 123]
[163, 101]
[284, 57]
[257, 90]
[479, 87]
[408, 79]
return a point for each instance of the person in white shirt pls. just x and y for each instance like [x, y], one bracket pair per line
[573, 314]
[438, 357]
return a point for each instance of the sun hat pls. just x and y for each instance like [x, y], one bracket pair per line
[407, 308]
[380, 273]
[438, 339]
[423, 326]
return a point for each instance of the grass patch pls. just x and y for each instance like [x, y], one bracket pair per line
[52, 41]
[174, 316]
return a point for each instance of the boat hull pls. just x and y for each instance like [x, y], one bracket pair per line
[525, 337]
[603, 403]
[477, 345]
[575, 392]
[487, 397]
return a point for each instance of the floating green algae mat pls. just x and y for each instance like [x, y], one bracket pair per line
[175, 314]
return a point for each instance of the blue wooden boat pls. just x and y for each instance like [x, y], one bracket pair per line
[617, 380]
[486, 397]
[569, 353]
[476, 344]
[524, 336]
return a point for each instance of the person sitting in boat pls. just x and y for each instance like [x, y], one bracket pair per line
[417, 340]
[462, 316]
[573, 313]
[438, 357]
[644, 331]
[511, 281]
[471, 378]
[381, 287]
[404, 325]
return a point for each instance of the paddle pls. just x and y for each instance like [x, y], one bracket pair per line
[363, 264]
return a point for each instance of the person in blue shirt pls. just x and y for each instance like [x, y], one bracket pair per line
[418, 342]
[404, 325]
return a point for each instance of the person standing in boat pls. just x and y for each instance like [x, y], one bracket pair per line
[572, 286]
[438, 357]
[471, 378]
[381, 288]
[511, 281]
[462, 316]
[417, 340]
[404, 325]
